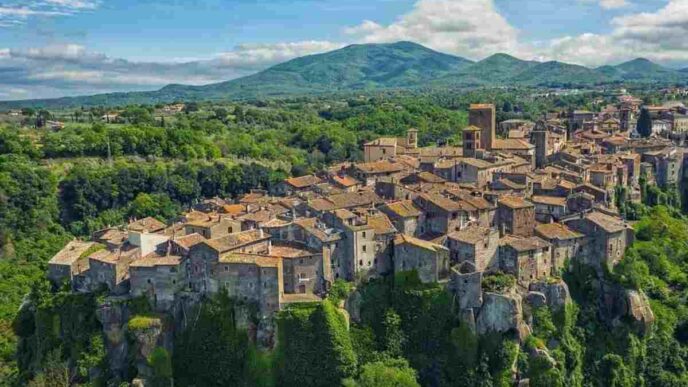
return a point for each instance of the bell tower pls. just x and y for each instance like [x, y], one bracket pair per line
[412, 138]
[471, 141]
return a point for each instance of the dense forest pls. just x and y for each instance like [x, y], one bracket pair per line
[57, 185]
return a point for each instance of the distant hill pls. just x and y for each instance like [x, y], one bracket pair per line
[384, 66]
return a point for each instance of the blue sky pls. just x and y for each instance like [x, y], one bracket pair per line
[51, 48]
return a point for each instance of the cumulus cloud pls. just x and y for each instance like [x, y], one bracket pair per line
[659, 36]
[252, 55]
[471, 28]
[608, 4]
[72, 69]
[17, 12]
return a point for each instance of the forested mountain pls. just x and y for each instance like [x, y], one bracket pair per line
[384, 66]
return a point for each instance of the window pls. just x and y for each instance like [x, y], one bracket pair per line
[230, 230]
[384, 151]
[364, 234]
[375, 261]
[360, 262]
[364, 248]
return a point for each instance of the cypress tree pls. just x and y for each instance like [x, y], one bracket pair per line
[644, 126]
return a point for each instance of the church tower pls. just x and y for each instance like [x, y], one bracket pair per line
[484, 117]
[412, 138]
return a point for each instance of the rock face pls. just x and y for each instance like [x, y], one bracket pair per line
[145, 341]
[638, 308]
[352, 304]
[617, 302]
[556, 293]
[536, 299]
[113, 318]
[499, 313]
[467, 288]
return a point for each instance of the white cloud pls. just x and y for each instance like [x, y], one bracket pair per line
[658, 36]
[471, 28]
[608, 4]
[72, 69]
[252, 55]
[76, 4]
[14, 13]
[613, 4]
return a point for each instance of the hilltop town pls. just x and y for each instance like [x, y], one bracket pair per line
[528, 203]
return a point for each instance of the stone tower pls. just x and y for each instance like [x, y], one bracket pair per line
[484, 117]
[471, 140]
[540, 138]
[412, 138]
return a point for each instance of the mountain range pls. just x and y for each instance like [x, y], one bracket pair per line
[385, 66]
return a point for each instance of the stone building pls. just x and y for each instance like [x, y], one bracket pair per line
[471, 141]
[110, 269]
[564, 241]
[158, 277]
[528, 259]
[303, 269]
[295, 185]
[205, 255]
[606, 238]
[442, 215]
[251, 278]
[475, 244]
[70, 261]
[405, 216]
[483, 116]
[429, 260]
[516, 216]
[549, 208]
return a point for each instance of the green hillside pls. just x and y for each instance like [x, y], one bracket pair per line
[383, 66]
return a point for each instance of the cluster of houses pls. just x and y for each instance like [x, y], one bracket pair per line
[526, 204]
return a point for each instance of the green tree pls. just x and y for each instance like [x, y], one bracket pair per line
[387, 373]
[644, 125]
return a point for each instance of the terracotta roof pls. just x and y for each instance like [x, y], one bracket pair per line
[148, 224]
[556, 231]
[234, 209]
[470, 235]
[608, 223]
[303, 181]
[112, 256]
[250, 259]
[401, 239]
[525, 244]
[345, 181]
[383, 141]
[154, 259]
[258, 216]
[514, 202]
[236, 240]
[292, 250]
[442, 202]
[346, 200]
[471, 128]
[316, 228]
[478, 163]
[512, 144]
[382, 166]
[549, 200]
[430, 177]
[381, 224]
[403, 209]
[482, 106]
[114, 236]
[71, 252]
[188, 241]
